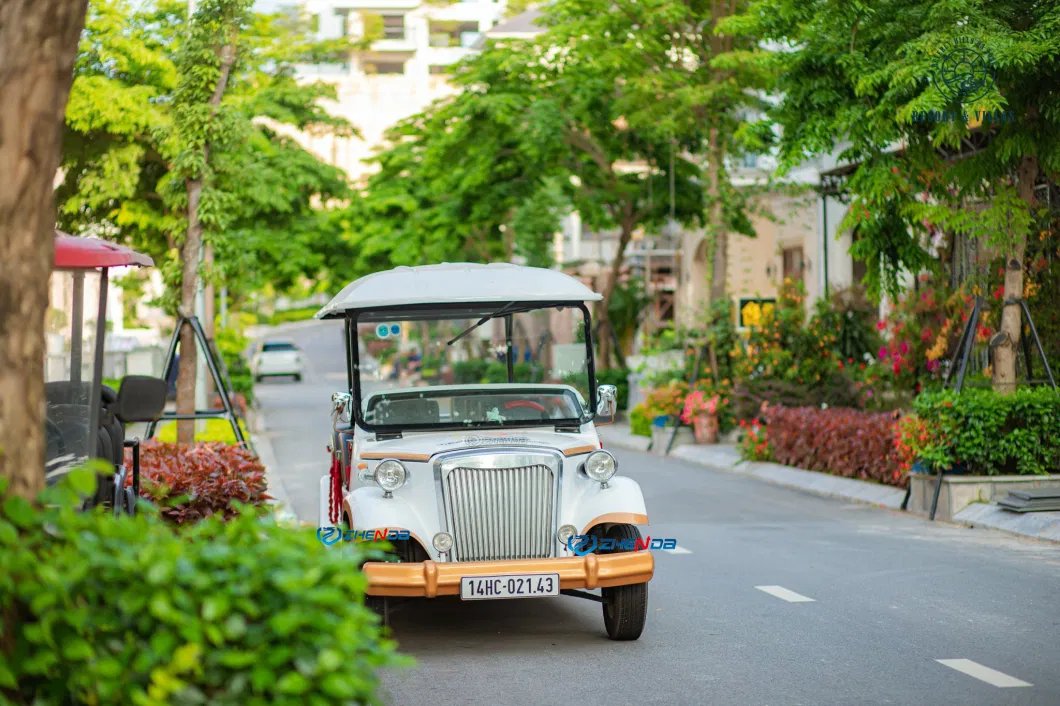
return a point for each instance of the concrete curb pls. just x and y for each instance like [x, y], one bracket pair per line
[281, 501]
[724, 457]
[1039, 525]
[618, 434]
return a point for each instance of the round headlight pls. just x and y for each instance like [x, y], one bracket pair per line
[443, 542]
[600, 466]
[565, 533]
[390, 475]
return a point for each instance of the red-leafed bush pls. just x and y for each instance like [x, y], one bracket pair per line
[843, 442]
[210, 475]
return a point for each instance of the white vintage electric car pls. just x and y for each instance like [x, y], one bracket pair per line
[469, 441]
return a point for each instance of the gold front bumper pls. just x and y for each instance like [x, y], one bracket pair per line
[429, 578]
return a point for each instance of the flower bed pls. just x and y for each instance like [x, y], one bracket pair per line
[194, 482]
[843, 442]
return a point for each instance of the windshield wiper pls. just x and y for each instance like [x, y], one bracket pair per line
[504, 309]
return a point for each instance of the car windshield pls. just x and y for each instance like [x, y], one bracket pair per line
[276, 347]
[441, 369]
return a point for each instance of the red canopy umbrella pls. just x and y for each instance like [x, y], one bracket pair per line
[75, 253]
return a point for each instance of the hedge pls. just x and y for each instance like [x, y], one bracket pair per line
[128, 610]
[992, 434]
[843, 442]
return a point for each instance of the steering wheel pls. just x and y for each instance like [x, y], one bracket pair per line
[527, 404]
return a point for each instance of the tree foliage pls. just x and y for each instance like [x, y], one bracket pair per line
[856, 79]
[870, 81]
[485, 174]
[134, 128]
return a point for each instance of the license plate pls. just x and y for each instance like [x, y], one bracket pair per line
[475, 588]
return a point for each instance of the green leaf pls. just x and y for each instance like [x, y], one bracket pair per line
[83, 481]
[77, 649]
[238, 659]
[19, 511]
[292, 683]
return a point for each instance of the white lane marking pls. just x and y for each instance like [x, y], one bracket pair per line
[678, 550]
[990, 676]
[784, 594]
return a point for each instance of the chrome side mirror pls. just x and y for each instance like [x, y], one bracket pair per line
[606, 400]
[341, 403]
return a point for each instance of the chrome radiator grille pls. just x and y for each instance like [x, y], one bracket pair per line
[501, 513]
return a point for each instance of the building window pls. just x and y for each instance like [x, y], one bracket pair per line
[438, 69]
[750, 161]
[344, 21]
[448, 33]
[793, 263]
[387, 67]
[393, 27]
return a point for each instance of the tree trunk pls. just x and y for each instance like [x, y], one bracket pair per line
[604, 322]
[189, 350]
[1004, 377]
[187, 372]
[717, 238]
[38, 46]
[209, 313]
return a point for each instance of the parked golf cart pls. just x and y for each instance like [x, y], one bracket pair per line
[85, 418]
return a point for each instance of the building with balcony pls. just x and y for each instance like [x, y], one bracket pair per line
[402, 72]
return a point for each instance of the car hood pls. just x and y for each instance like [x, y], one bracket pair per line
[424, 445]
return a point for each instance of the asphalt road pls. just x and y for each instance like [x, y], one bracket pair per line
[776, 598]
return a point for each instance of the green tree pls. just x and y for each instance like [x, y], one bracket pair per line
[859, 80]
[676, 76]
[482, 175]
[151, 130]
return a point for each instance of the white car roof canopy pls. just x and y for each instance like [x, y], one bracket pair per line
[457, 283]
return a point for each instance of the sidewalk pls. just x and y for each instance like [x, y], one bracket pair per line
[726, 457]
[281, 502]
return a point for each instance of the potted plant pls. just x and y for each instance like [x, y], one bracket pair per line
[702, 413]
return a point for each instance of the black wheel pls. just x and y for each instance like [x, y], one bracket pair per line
[259, 378]
[380, 606]
[298, 377]
[377, 604]
[625, 607]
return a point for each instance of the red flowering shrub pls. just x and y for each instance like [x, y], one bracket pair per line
[754, 442]
[843, 442]
[190, 483]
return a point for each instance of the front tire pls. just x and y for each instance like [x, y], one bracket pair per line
[298, 377]
[625, 607]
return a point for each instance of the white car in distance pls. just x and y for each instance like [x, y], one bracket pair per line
[277, 358]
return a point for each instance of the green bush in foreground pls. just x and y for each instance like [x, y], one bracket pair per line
[128, 611]
[992, 434]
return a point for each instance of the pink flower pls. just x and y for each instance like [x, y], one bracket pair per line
[932, 365]
[868, 393]
[903, 348]
[881, 325]
[897, 367]
[883, 352]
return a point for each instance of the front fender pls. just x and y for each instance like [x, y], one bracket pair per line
[368, 509]
[621, 503]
